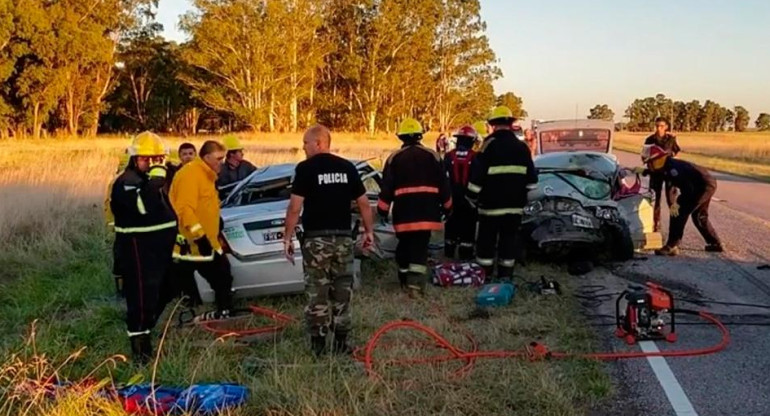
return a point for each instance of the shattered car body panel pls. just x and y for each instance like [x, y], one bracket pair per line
[254, 218]
[585, 204]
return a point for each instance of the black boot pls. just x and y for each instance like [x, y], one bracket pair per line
[465, 252]
[449, 249]
[141, 348]
[318, 345]
[402, 279]
[715, 248]
[340, 345]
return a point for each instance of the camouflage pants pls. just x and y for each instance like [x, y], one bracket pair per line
[328, 264]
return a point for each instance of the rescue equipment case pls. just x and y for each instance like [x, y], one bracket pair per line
[495, 294]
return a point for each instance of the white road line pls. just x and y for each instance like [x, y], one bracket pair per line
[674, 391]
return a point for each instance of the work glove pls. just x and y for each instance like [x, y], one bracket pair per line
[674, 210]
[157, 176]
[204, 246]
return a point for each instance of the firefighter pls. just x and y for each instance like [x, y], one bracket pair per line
[501, 175]
[195, 200]
[415, 184]
[696, 187]
[145, 229]
[235, 168]
[460, 230]
[667, 141]
[481, 129]
[323, 187]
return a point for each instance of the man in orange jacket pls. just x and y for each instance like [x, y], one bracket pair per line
[195, 199]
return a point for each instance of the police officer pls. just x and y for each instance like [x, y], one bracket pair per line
[501, 175]
[460, 229]
[145, 229]
[324, 184]
[415, 184]
[667, 141]
[696, 188]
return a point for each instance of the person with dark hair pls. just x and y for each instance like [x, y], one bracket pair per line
[196, 201]
[502, 174]
[697, 187]
[666, 141]
[235, 168]
[186, 153]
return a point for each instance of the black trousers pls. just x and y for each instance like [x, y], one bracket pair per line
[144, 262]
[498, 240]
[412, 258]
[216, 272]
[698, 210]
[460, 231]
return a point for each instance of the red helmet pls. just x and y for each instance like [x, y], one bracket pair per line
[466, 131]
[652, 152]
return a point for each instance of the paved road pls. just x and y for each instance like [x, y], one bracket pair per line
[736, 381]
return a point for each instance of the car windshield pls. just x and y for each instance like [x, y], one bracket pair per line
[588, 173]
[264, 191]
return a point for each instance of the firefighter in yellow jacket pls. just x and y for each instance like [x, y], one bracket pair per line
[145, 229]
[196, 201]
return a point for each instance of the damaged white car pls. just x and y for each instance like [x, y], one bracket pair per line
[253, 215]
[586, 206]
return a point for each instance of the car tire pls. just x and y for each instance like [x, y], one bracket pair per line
[622, 243]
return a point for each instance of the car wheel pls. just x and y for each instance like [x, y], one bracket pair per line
[622, 243]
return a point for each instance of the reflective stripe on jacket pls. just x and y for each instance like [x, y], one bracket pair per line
[415, 184]
[501, 175]
[139, 205]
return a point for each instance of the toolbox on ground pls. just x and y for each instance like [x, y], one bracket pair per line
[495, 294]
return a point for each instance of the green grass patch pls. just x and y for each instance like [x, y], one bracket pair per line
[71, 296]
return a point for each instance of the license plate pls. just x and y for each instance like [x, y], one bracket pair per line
[272, 236]
[581, 221]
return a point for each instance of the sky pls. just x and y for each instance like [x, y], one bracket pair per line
[565, 56]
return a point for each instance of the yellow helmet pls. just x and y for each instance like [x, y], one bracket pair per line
[147, 144]
[408, 127]
[232, 142]
[481, 128]
[500, 112]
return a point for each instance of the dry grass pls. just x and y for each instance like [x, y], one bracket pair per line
[746, 154]
[56, 258]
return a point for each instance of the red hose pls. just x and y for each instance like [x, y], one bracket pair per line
[534, 353]
[281, 322]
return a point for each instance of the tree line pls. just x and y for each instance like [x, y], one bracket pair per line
[82, 66]
[684, 116]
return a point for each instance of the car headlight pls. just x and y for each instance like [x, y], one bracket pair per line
[533, 208]
[609, 214]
